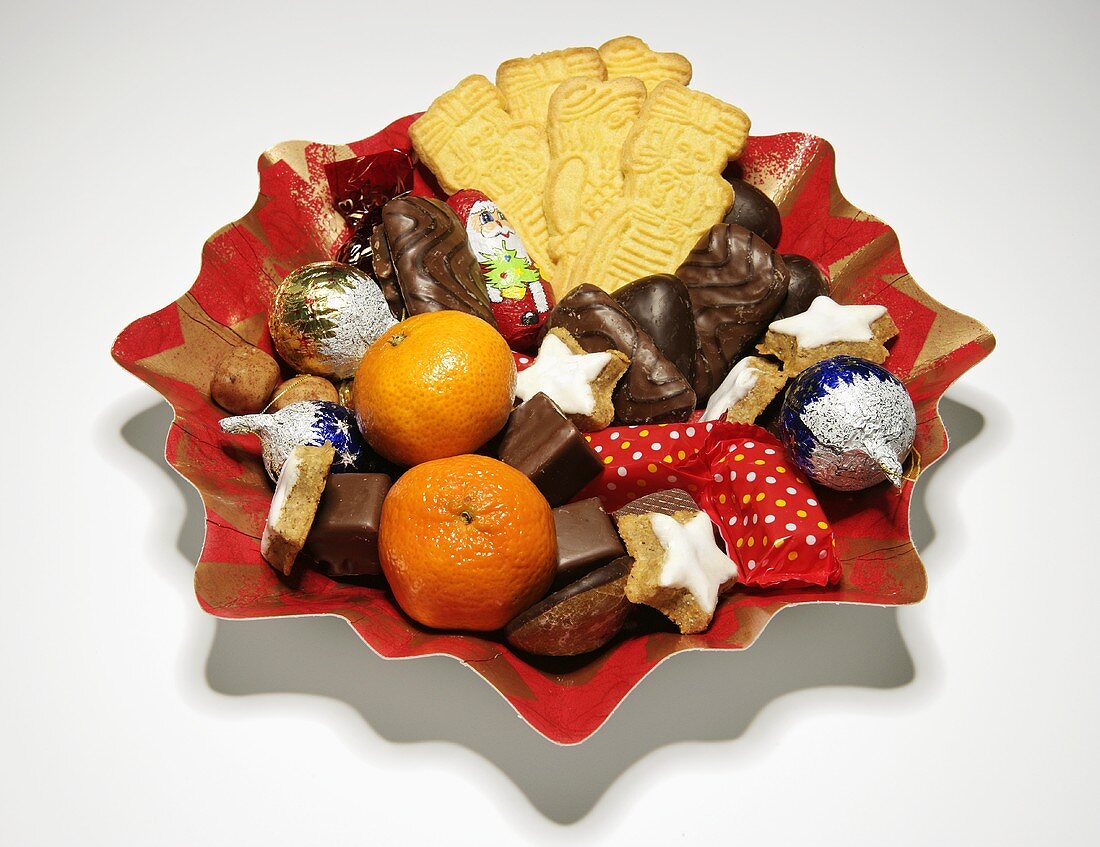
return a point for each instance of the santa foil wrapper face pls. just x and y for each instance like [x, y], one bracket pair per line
[768, 516]
[519, 297]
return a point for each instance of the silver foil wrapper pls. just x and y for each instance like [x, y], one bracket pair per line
[848, 423]
[311, 422]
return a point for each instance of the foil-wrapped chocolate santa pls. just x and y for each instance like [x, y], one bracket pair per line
[519, 296]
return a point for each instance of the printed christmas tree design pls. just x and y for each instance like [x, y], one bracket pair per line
[508, 272]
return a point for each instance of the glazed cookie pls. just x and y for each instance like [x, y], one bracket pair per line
[736, 283]
[746, 391]
[678, 567]
[580, 383]
[661, 306]
[294, 504]
[577, 619]
[653, 390]
[808, 282]
[828, 329]
[436, 270]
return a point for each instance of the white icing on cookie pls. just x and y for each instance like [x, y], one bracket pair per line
[827, 321]
[563, 376]
[693, 561]
[288, 478]
[734, 388]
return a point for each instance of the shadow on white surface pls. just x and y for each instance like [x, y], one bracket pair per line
[805, 647]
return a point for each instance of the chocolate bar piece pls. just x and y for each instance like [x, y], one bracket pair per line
[579, 618]
[544, 444]
[736, 283]
[807, 282]
[435, 268]
[344, 537]
[667, 502]
[586, 540]
[653, 390]
[660, 305]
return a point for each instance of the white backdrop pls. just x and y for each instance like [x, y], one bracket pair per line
[130, 132]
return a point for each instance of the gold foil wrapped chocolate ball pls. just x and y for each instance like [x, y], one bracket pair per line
[324, 316]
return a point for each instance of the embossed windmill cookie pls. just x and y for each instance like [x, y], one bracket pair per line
[587, 125]
[527, 84]
[629, 56]
[673, 189]
[469, 139]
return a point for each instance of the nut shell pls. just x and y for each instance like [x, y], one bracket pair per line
[302, 387]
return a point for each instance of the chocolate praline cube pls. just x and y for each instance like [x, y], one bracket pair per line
[541, 442]
[343, 540]
[586, 540]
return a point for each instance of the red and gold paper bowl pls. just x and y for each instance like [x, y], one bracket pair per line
[176, 349]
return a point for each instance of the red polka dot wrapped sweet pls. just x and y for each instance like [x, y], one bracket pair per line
[766, 512]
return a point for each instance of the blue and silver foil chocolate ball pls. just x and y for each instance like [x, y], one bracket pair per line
[311, 422]
[848, 423]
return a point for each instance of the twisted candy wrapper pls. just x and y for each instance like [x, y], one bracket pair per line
[768, 515]
[361, 187]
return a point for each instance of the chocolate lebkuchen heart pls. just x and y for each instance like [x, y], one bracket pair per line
[661, 306]
[652, 390]
[736, 283]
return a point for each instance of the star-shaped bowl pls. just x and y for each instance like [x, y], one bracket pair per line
[176, 349]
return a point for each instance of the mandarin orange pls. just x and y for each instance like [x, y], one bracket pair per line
[436, 384]
[466, 542]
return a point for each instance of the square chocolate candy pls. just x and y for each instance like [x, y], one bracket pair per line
[543, 443]
[343, 540]
[586, 540]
